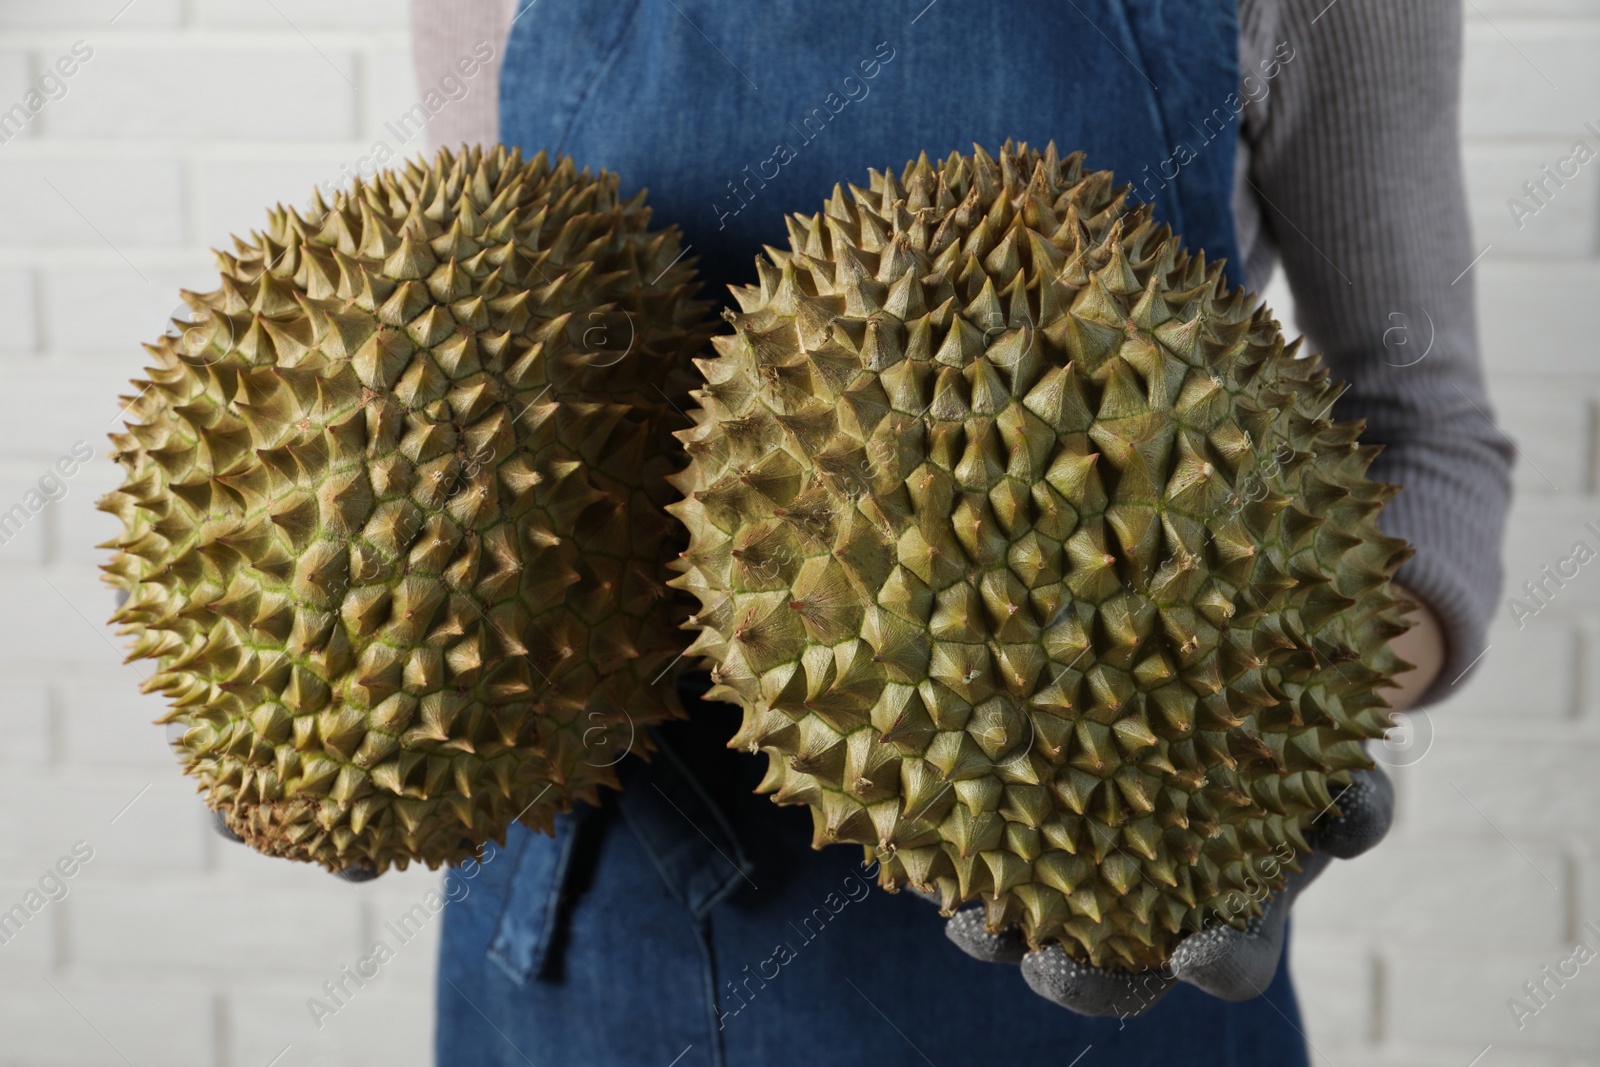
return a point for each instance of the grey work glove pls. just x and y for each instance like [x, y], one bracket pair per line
[1226, 962]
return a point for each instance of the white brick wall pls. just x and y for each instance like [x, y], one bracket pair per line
[179, 949]
[172, 946]
[1409, 955]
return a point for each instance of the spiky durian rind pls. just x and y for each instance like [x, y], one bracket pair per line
[392, 509]
[1032, 556]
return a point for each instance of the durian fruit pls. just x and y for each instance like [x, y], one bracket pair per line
[1032, 556]
[392, 507]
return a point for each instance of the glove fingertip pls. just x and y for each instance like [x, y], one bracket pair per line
[1366, 811]
[1089, 991]
[1243, 976]
[219, 823]
[967, 930]
[1232, 964]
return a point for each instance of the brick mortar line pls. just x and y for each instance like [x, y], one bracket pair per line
[1540, 25]
[135, 148]
[265, 38]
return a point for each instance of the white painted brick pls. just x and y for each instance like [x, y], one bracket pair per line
[25, 724]
[380, 900]
[136, 1023]
[1519, 785]
[375, 1026]
[96, 202]
[162, 162]
[1529, 673]
[76, 525]
[58, 75]
[395, 89]
[1530, 79]
[105, 724]
[1405, 892]
[94, 15]
[1562, 222]
[1539, 318]
[14, 84]
[396, 892]
[56, 488]
[356, 14]
[1460, 999]
[412, 972]
[1526, 1058]
[1522, 8]
[1554, 429]
[1504, 1056]
[1334, 982]
[127, 310]
[1543, 534]
[1587, 856]
[160, 832]
[27, 945]
[393, 117]
[284, 90]
[184, 927]
[57, 619]
[234, 195]
[242, 865]
[17, 334]
[22, 529]
[1412, 1054]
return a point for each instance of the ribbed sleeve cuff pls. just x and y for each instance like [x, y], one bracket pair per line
[1451, 509]
[1358, 168]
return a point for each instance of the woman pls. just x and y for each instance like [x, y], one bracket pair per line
[687, 921]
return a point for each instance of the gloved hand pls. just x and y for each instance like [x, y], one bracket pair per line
[1226, 962]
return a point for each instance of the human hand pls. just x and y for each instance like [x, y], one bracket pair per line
[1423, 647]
[1227, 962]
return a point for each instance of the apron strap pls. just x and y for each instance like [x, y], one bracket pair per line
[687, 838]
[685, 834]
[531, 915]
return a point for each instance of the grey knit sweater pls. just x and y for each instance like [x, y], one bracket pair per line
[1349, 177]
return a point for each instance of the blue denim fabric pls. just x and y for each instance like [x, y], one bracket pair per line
[688, 922]
[690, 918]
[692, 99]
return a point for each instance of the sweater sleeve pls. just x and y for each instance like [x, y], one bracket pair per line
[442, 31]
[1355, 166]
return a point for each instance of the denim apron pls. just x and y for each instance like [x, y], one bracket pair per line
[687, 922]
